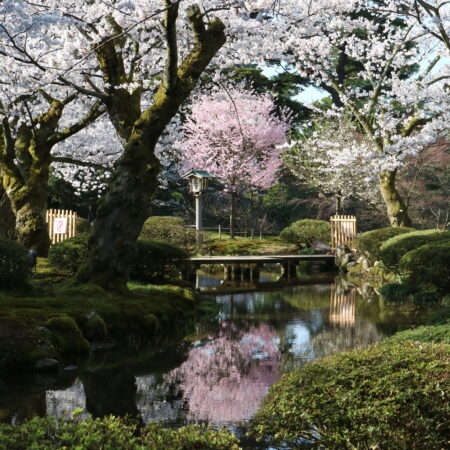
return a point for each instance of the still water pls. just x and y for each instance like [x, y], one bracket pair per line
[221, 373]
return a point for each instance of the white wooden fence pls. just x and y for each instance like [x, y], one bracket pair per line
[343, 231]
[61, 224]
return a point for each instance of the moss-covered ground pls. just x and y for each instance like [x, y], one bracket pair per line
[53, 317]
[268, 245]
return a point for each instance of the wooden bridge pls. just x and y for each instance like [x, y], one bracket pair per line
[247, 268]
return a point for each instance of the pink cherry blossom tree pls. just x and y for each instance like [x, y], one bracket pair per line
[236, 136]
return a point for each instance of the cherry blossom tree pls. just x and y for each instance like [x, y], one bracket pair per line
[235, 135]
[33, 119]
[361, 53]
[334, 157]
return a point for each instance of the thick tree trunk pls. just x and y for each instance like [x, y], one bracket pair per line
[125, 206]
[120, 217]
[396, 208]
[232, 213]
[29, 204]
[7, 217]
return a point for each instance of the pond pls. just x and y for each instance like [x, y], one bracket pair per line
[221, 373]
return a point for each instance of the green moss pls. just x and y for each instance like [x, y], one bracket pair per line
[66, 336]
[66, 308]
[391, 396]
[241, 246]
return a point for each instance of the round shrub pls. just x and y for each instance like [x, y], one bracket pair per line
[83, 226]
[304, 232]
[15, 264]
[154, 259]
[69, 254]
[428, 265]
[394, 248]
[397, 292]
[369, 243]
[389, 396]
[169, 229]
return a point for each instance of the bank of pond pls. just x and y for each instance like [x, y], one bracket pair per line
[318, 361]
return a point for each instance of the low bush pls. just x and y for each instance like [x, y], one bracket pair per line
[152, 262]
[110, 433]
[304, 232]
[394, 248]
[370, 242]
[69, 254]
[428, 265]
[15, 264]
[426, 333]
[171, 230]
[390, 396]
[154, 259]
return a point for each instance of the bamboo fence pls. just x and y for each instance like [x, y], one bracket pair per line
[61, 224]
[343, 231]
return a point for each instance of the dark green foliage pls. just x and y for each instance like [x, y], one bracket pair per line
[15, 264]
[370, 242]
[155, 258]
[169, 229]
[428, 265]
[110, 433]
[428, 333]
[394, 248]
[67, 337]
[83, 226]
[152, 261]
[397, 292]
[69, 254]
[304, 232]
[390, 396]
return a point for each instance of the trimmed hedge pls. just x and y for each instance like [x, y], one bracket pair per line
[394, 248]
[304, 232]
[369, 243]
[428, 265]
[69, 254]
[110, 433]
[152, 261]
[425, 333]
[169, 229]
[15, 264]
[390, 396]
[155, 259]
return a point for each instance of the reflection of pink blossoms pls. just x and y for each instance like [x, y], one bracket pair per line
[226, 380]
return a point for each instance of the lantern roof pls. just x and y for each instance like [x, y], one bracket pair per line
[198, 174]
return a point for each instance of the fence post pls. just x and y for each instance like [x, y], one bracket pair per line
[220, 232]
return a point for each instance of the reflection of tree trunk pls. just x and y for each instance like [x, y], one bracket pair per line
[110, 392]
[396, 207]
[232, 212]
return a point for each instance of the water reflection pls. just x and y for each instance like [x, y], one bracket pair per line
[223, 375]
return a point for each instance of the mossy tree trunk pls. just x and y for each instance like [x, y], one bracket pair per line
[25, 160]
[396, 207]
[126, 204]
[7, 217]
